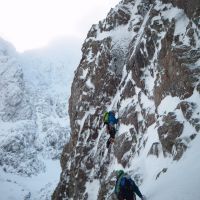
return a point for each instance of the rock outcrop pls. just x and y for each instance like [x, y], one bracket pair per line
[143, 61]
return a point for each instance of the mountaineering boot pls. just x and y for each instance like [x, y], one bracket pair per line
[112, 140]
[107, 143]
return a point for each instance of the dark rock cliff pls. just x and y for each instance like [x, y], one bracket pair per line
[143, 61]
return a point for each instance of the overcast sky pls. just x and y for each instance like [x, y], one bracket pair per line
[29, 24]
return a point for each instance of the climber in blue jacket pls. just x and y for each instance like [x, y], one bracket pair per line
[111, 121]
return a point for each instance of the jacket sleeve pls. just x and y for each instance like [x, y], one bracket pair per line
[136, 189]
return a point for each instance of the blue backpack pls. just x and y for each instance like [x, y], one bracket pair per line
[112, 119]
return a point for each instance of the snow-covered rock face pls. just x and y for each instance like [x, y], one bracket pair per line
[143, 61]
[32, 120]
[16, 138]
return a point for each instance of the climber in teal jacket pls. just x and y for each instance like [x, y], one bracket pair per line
[126, 188]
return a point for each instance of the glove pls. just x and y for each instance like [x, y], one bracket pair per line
[143, 198]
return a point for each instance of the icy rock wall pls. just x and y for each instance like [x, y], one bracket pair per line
[143, 61]
[15, 107]
[33, 123]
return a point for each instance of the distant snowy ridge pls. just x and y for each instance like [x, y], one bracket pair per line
[34, 122]
[143, 62]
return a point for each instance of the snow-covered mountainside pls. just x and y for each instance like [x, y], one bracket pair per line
[34, 121]
[143, 61]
